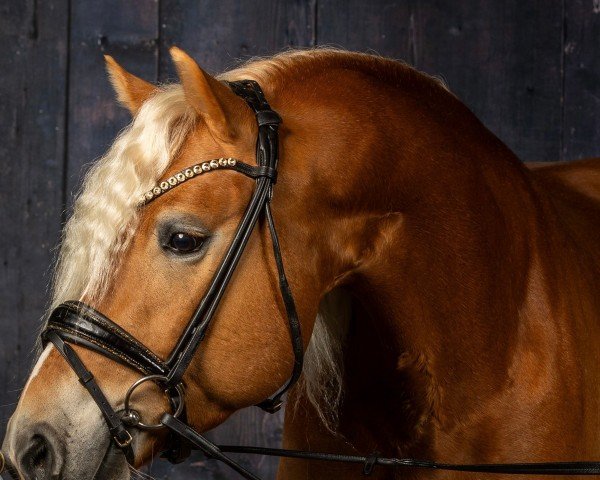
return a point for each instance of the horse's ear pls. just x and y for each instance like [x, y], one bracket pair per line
[132, 91]
[221, 110]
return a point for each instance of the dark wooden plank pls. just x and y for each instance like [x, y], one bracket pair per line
[378, 26]
[218, 34]
[503, 59]
[33, 55]
[126, 29]
[582, 79]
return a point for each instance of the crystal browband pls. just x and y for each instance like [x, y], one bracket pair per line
[184, 175]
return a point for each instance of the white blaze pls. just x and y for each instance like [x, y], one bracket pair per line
[37, 367]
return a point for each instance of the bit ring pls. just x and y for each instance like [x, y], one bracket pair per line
[132, 417]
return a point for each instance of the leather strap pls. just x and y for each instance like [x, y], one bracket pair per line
[371, 461]
[117, 429]
[204, 445]
[374, 460]
[273, 404]
[267, 117]
[267, 159]
[189, 342]
[267, 152]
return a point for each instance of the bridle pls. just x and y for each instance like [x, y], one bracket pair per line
[80, 324]
[77, 323]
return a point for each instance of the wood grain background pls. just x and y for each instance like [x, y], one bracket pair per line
[530, 69]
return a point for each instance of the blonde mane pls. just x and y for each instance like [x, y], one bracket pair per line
[298, 63]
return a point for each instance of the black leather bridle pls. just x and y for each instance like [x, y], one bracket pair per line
[77, 323]
[80, 324]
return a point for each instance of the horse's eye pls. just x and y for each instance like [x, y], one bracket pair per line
[185, 243]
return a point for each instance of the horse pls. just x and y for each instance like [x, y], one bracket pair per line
[447, 293]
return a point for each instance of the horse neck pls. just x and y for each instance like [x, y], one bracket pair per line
[445, 286]
[451, 250]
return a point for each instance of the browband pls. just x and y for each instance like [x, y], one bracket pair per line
[192, 171]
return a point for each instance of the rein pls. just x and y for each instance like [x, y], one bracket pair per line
[77, 323]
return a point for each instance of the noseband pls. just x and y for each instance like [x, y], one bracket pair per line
[77, 323]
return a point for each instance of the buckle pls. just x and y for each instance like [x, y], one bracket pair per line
[267, 117]
[87, 377]
[370, 463]
[126, 442]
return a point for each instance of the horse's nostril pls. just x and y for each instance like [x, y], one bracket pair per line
[39, 456]
[39, 461]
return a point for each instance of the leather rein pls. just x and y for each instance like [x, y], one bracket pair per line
[77, 323]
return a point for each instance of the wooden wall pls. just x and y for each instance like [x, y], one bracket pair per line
[529, 69]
